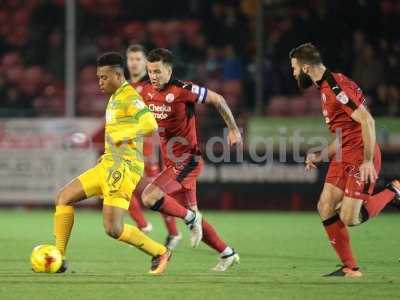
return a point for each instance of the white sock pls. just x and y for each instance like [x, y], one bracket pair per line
[189, 216]
[227, 251]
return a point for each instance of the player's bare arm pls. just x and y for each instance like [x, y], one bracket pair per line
[234, 136]
[313, 158]
[367, 169]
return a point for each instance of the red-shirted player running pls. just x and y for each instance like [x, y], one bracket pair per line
[136, 64]
[355, 158]
[172, 103]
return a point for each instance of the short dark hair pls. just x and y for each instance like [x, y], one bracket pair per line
[113, 59]
[161, 54]
[136, 48]
[306, 54]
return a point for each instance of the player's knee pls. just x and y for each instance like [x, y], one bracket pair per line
[63, 198]
[148, 198]
[348, 219]
[113, 230]
[325, 208]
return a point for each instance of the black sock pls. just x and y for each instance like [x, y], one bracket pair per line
[157, 206]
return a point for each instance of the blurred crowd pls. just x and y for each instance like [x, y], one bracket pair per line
[358, 38]
[31, 58]
[214, 44]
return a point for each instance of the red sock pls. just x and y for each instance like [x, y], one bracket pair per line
[135, 210]
[211, 238]
[170, 207]
[340, 240]
[376, 203]
[170, 223]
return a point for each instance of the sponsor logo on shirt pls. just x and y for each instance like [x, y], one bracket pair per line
[160, 112]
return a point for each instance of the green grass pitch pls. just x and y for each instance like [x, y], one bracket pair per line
[283, 256]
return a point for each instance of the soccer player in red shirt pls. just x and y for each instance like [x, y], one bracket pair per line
[355, 158]
[136, 64]
[172, 102]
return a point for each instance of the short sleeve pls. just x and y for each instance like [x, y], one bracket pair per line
[349, 95]
[194, 93]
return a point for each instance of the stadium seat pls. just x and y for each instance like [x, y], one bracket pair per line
[297, 106]
[278, 106]
[313, 102]
[134, 31]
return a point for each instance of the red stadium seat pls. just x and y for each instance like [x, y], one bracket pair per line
[191, 26]
[134, 31]
[297, 106]
[215, 85]
[278, 106]
[313, 99]
[232, 87]
[14, 74]
[11, 59]
[155, 26]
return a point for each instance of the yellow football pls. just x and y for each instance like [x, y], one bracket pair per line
[46, 259]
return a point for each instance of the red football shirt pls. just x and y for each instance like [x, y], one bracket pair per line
[140, 84]
[150, 144]
[340, 97]
[174, 110]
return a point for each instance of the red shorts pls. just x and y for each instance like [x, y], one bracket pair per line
[151, 169]
[346, 176]
[180, 182]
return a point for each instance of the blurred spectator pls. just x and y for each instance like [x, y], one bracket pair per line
[368, 69]
[231, 66]
[387, 101]
[55, 60]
